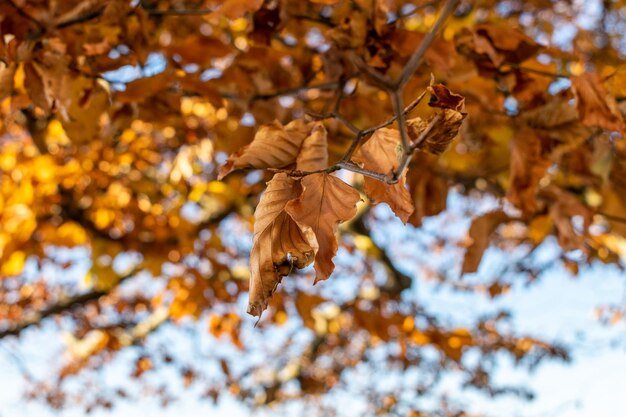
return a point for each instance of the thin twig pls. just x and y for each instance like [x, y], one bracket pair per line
[23, 13]
[613, 217]
[80, 19]
[425, 132]
[349, 166]
[390, 121]
[537, 71]
[355, 143]
[418, 56]
[61, 307]
[396, 101]
[362, 66]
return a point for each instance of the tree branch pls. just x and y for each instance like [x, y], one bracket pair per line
[23, 13]
[418, 56]
[63, 306]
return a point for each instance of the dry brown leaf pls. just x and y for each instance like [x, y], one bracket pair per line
[313, 155]
[382, 153]
[279, 243]
[7, 73]
[555, 113]
[273, 146]
[142, 88]
[325, 202]
[441, 56]
[199, 49]
[442, 133]
[305, 304]
[429, 190]
[451, 118]
[528, 166]
[441, 97]
[480, 232]
[596, 108]
[562, 207]
[495, 45]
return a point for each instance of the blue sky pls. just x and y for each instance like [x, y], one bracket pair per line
[557, 307]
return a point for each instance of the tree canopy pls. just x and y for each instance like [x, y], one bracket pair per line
[168, 162]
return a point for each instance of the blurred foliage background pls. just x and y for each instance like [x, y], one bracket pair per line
[116, 116]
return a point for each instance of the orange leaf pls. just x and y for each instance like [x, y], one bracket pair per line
[325, 202]
[595, 106]
[381, 153]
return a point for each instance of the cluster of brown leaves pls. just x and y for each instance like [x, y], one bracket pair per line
[296, 219]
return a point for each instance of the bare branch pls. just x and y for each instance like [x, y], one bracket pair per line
[62, 306]
[396, 100]
[24, 14]
[388, 122]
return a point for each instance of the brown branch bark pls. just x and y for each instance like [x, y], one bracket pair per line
[418, 56]
[62, 306]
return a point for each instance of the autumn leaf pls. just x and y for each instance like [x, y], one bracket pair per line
[273, 146]
[563, 207]
[325, 202]
[279, 243]
[596, 108]
[7, 73]
[314, 153]
[492, 45]
[89, 99]
[381, 153]
[528, 166]
[441, 56]
[429, 190]
[440, 135]
[480, 234]
[436, 134]
[441, 97]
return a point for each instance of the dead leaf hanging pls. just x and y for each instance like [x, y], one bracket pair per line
[382, 153]
[273, 146]
[279, 243]
[325, 202]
